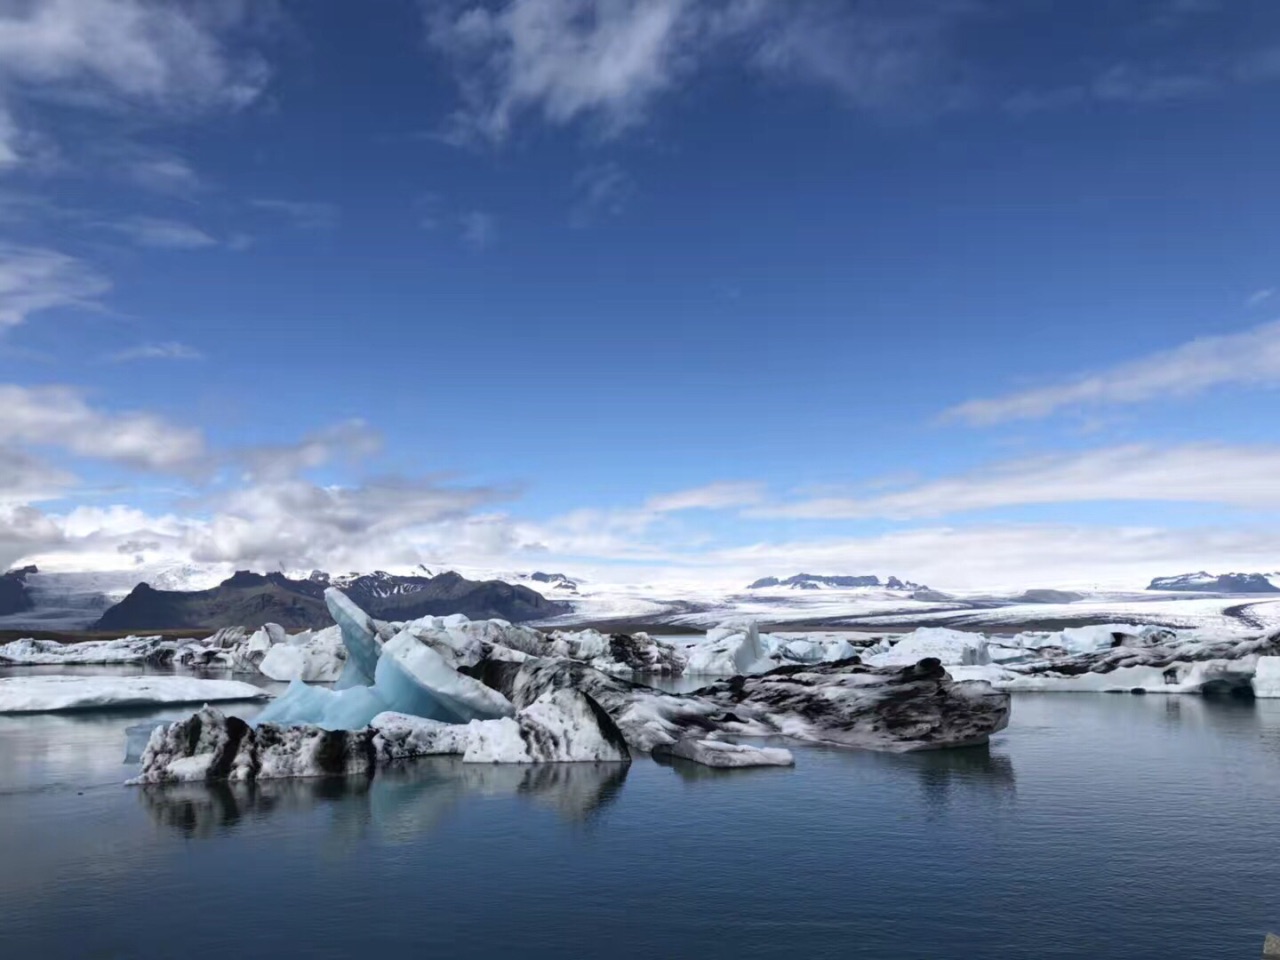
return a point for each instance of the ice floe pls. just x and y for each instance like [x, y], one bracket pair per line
[720, 753]
[48, 694]
[129, 650]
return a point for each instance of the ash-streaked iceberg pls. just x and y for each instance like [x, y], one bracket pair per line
[1148, 660]
[128, 650]
[49, 694]
[564, 726]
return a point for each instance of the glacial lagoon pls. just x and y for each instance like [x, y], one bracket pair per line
[1108, 826]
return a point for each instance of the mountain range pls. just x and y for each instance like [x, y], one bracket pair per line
[253, 599]
[813, 581]
[1202, 582]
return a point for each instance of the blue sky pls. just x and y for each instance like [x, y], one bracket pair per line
[962, 291]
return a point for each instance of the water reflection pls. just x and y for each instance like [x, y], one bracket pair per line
[399, 804]
[697, 772]
[946, 774]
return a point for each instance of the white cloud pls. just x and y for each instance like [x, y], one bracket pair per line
[714, 496]
[169, 350]
[478, 228]
[162, 172]
[34, 279]
[1237, 476]
[351, 441]
[299, 524]
[609, 60]
[305, 214]
[25, 479]
[58, 416]
[1259, 297]
[1250, 358]
[170, 55]
[163, 234]
[10, 153]
[602, 190]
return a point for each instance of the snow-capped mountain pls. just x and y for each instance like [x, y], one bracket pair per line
[812, 581]
[1202, 582]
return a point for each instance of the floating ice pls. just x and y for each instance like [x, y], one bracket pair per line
[311, 656]
[407, 675]
[47, 694]
[947, 646]
[358, 635]
[561, 726]
[1266, 678]
[51, 652]
[718, 753]
[729, 650]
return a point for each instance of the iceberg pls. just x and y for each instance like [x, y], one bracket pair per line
[1266, 678]
[1149, 660]
[947, 646]
[129, 650]
[48, 694]
[360, 637]
[406, 675]
[718, 753]
[563, 726]
[729, 650]
[316, 657]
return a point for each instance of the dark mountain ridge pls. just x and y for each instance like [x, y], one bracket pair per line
[1202, 582]
[813, 581]
[251, 600]
[15, 597]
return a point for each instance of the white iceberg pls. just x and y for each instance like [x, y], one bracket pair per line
[47, 694]
[731, 649]
[947, 646]
[1266, 678]
[316, 657]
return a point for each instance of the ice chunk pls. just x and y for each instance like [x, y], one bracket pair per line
[1266, 678]
[413, 678]
[402, 737]
[348, 709]
[717, 753]
[360, 637]
[559, 726]
[55, 693]
[730, 649]
[137, 736]
[314, 657]
[947, 646]
[210, 746]
[52, 652]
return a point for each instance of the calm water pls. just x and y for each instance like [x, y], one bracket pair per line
[1097, 826]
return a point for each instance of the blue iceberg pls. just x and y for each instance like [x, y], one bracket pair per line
[404, 675]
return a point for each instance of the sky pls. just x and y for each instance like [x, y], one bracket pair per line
[969, 292]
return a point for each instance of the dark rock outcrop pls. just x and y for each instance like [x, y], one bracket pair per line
[14, 595]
